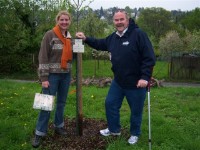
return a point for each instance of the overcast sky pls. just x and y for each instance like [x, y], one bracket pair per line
[183, 5]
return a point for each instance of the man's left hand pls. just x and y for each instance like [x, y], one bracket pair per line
[142, 83]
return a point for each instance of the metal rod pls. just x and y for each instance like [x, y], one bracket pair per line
[149, 115]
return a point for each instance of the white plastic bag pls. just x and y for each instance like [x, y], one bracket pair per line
[43, 102]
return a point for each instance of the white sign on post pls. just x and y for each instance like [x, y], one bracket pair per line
[78, 46]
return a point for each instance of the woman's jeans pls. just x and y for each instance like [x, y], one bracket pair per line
[59, 86]
[135, 98]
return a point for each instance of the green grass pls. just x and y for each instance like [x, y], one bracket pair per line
[174, 116]
[93, 68]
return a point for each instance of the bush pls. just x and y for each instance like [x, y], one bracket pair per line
[16, 63]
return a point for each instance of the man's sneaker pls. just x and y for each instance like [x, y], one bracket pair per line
[60, 131]
[133, 140]
[106, 132]
[36, 141]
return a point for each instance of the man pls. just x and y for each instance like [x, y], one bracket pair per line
[132, 58]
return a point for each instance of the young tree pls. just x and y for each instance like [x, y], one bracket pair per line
[93, 26]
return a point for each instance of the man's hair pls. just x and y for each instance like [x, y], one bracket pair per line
[122, 11]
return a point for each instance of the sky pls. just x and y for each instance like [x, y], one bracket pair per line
[183, 5]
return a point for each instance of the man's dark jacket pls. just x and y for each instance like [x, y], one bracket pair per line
[132, 55]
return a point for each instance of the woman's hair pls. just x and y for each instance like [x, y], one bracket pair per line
[62, 12]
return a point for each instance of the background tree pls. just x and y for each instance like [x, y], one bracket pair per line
[15, 36]
[191, 20]
[170, 45]
[194, 46]
[155, 21]
[129, 11]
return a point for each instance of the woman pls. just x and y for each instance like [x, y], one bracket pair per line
[55, 58]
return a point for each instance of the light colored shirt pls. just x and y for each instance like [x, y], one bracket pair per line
[122, 32]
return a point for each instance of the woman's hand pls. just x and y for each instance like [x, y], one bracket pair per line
[45, 84]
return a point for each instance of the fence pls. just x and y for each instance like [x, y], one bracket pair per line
[185, 68]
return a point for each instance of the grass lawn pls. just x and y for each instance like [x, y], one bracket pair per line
[93, 68]
[103, 69]
[174, 116]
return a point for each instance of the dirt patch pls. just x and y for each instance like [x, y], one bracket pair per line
[90, 140]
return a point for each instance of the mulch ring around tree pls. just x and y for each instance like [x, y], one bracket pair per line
[90, 139]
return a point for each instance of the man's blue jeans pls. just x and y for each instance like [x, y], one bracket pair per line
[135, 98]
[59, 86]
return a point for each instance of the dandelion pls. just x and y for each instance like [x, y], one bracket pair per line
[15, 93]
[23, 144]
[92, 96]
[1, 103]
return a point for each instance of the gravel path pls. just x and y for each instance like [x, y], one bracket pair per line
[177, 84]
